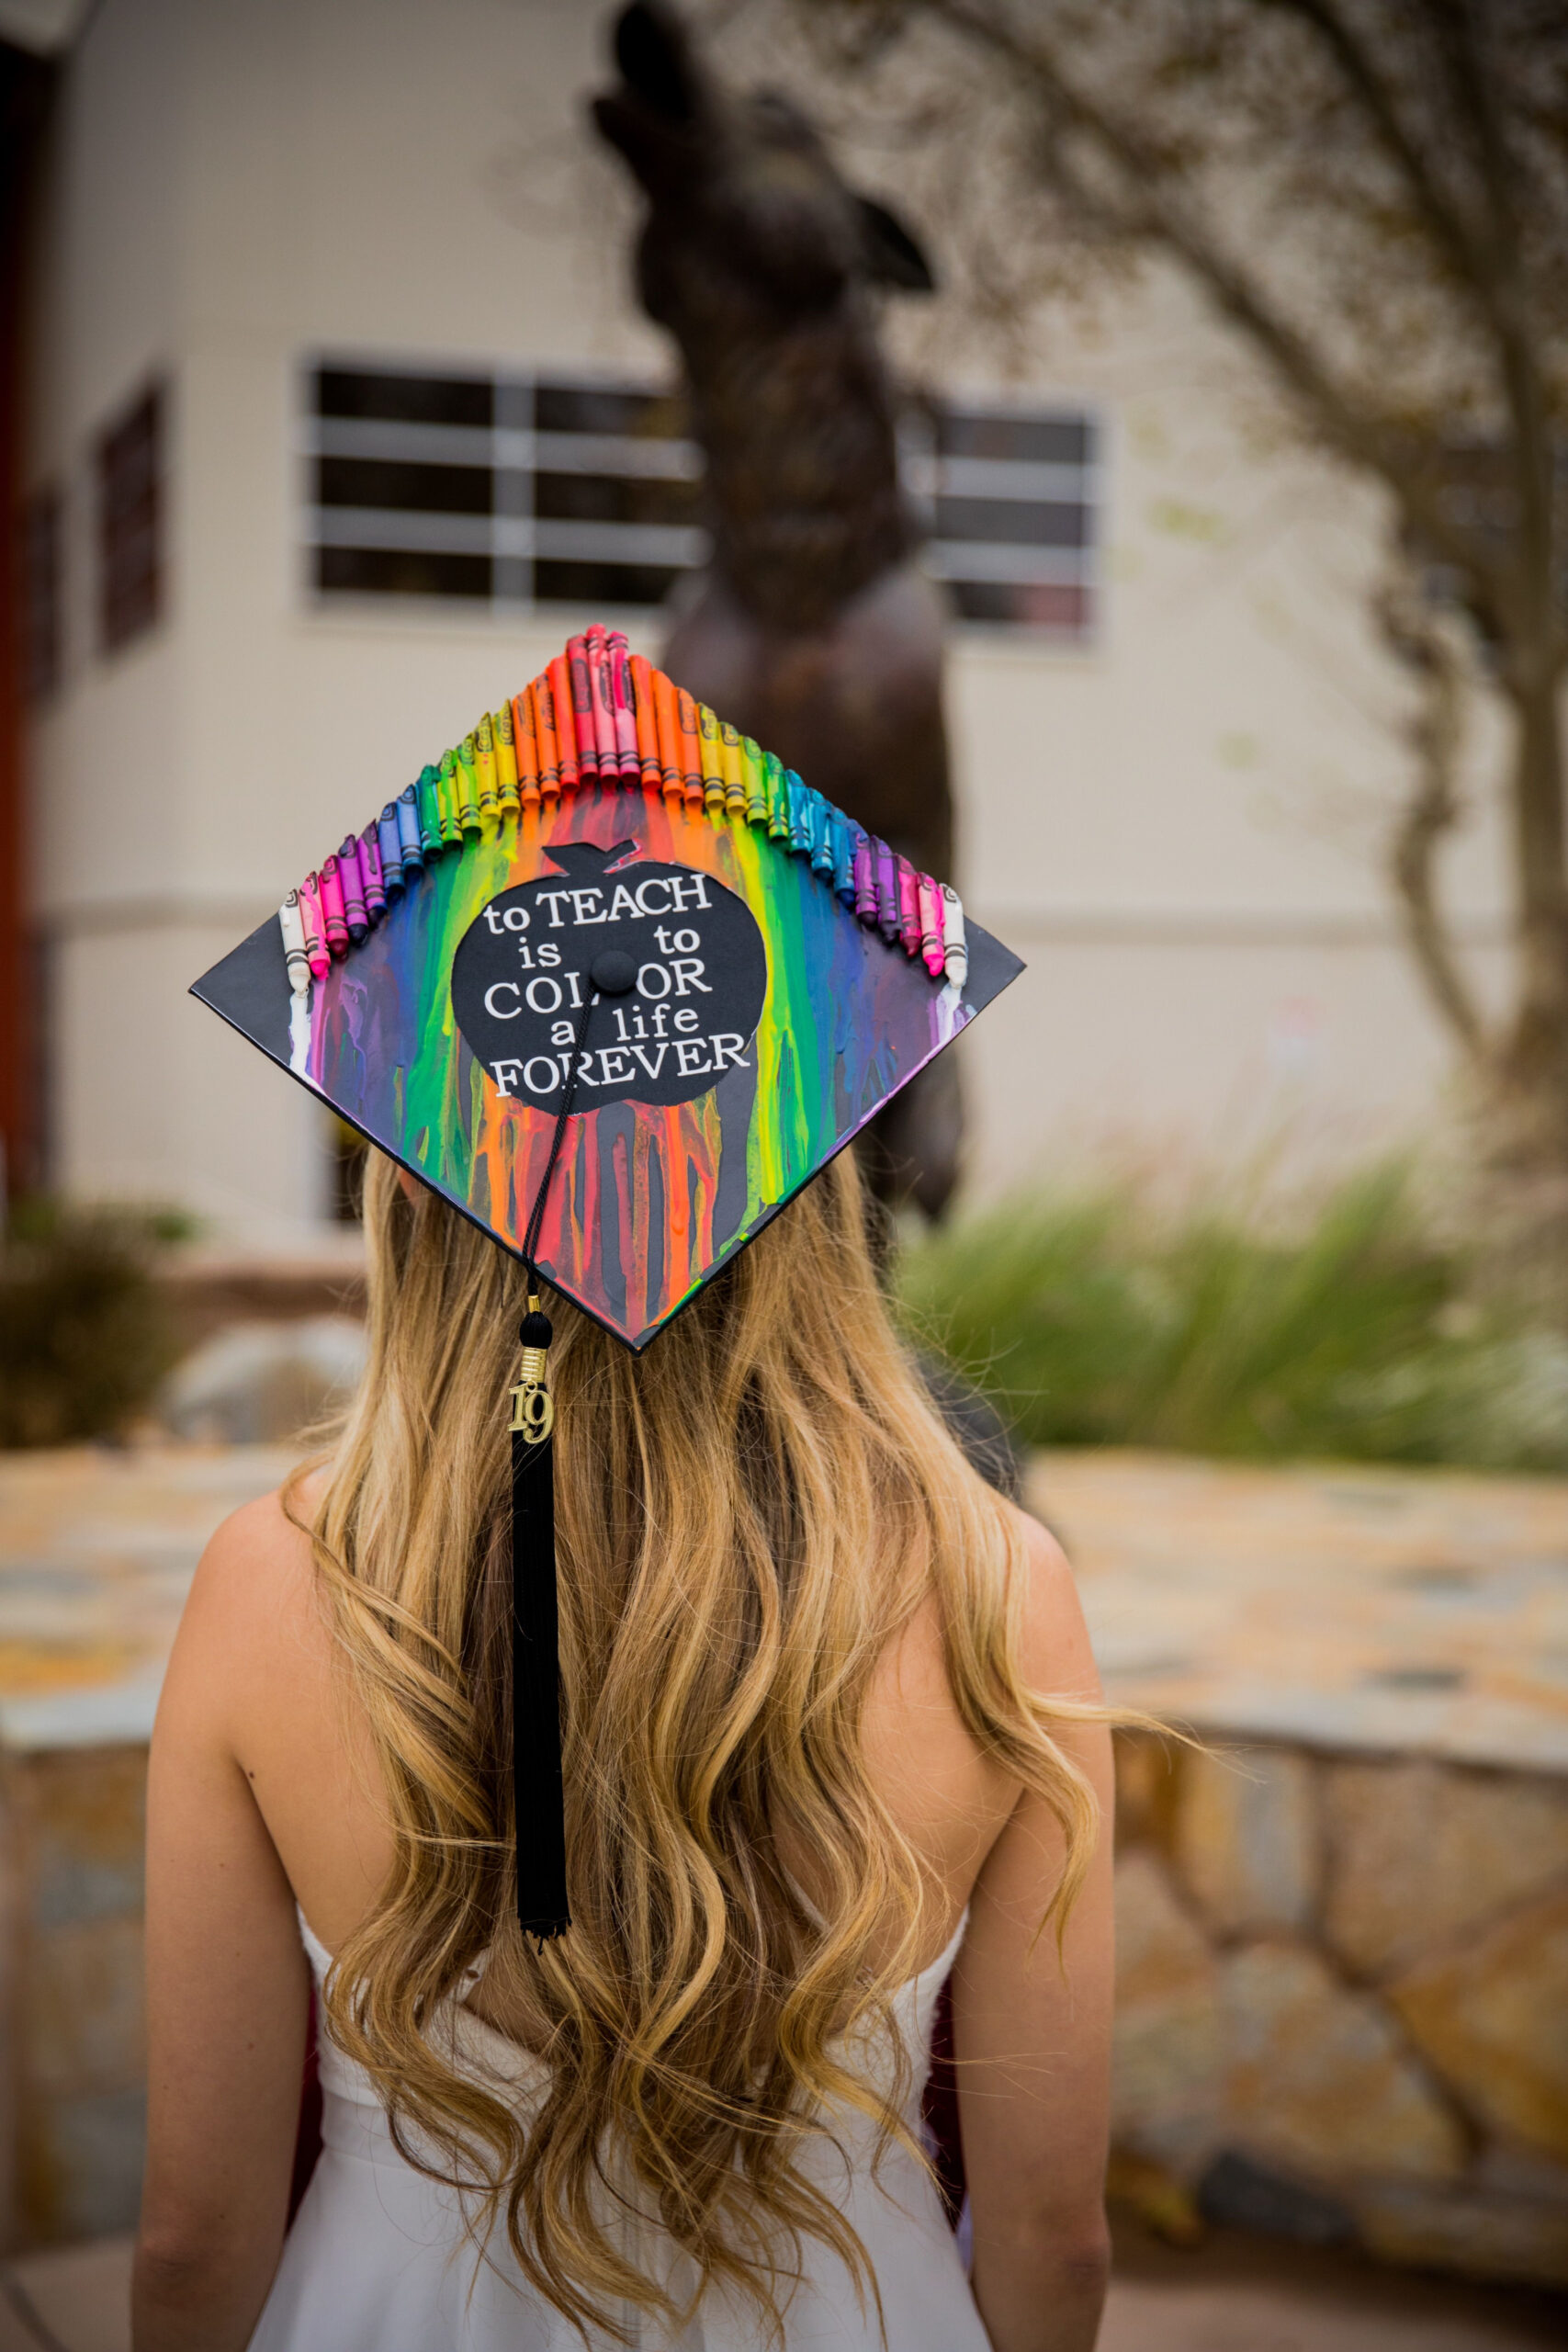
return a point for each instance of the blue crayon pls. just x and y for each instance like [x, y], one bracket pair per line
[800, 816]
[389, 843]
[842, 842]
[409, 842]
[820, 815]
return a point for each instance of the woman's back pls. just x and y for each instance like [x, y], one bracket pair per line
[802, 1756]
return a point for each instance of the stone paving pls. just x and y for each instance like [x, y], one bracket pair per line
[1391, 1612]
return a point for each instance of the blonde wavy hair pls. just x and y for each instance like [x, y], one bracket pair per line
[746, 1517]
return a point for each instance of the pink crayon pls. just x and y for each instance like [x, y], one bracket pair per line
[908, 907]
[317, 953]
[374, 878]
[334, 920]
[604, 715]
[623, 709]
[350, 878]
[933, 947]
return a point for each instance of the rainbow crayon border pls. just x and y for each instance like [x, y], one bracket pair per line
[648, 1201]
[601, 716]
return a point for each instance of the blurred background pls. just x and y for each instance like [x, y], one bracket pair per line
[1217, 353]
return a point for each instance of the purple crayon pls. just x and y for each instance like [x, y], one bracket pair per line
[391, 849]
[865, 879]
[316, 951]
[351, 880]
[887, 911]
[334, 920]
[371, 868]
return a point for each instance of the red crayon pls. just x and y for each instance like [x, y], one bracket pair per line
[639, 679]
[558, 677]
[543, 705]
[908, 907]
[314, 927]
[691, 746]
[933, 947]
[334, 921]
[582, 707]
[525, 743]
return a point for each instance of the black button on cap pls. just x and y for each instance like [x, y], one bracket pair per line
[612, 972]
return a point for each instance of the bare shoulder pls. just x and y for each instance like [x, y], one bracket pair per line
[1057, 1655]
[253, 1598]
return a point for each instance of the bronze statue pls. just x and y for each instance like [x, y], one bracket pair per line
[813, 628]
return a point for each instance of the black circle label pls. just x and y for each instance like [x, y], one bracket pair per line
[520, 981]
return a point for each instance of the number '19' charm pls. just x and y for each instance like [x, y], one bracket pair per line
[533, 1407]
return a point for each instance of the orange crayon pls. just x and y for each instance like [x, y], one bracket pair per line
[528, 744]
[650, 766]
[558, 678]
[669, 731]
[543, 704]
[691, 746]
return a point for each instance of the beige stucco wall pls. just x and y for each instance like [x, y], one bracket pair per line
[1180, 827]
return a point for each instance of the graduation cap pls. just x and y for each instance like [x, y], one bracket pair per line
[616, 984]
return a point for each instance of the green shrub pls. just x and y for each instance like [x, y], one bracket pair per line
[84, 1337]
[1093, 1318]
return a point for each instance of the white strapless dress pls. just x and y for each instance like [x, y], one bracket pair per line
[378, 2259]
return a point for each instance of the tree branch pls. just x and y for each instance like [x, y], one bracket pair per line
[1417, 640]
[1368, 441]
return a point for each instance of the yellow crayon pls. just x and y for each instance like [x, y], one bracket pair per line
[469, 785]
[484, 769]
[734, 769]
[711, 752]
[506, 759]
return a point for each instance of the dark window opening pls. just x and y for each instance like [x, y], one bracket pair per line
[44, 594]
[130, 470]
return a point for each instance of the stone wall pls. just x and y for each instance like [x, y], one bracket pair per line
[1343, 2001]
[72, 1829]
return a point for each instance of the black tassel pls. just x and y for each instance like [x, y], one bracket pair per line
[537, 1794]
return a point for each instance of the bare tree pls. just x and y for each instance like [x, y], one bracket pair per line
[1372, 194]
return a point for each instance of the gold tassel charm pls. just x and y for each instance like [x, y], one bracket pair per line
[533, 1407]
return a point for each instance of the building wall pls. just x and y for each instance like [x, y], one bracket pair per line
[1178, 826]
